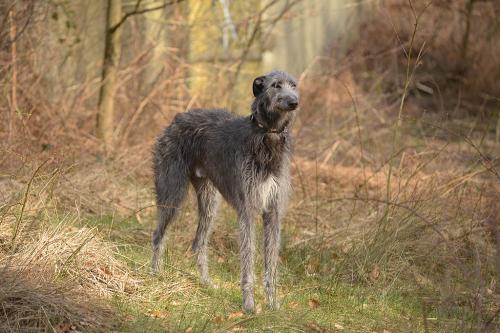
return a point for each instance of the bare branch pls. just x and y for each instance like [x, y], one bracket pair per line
[256, 30]
[31, 10]
[138, 11]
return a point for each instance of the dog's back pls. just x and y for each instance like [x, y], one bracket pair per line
[187, 129]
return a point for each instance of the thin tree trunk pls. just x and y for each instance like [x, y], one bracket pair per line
[155, 37]
[498, 125]
[112, 51]
[465, 39]
[13, 96]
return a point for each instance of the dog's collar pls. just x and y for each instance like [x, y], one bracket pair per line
[269, 130]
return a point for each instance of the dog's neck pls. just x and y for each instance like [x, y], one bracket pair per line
[282, 129]
[270, 122]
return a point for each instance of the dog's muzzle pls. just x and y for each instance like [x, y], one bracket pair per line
[288, 103]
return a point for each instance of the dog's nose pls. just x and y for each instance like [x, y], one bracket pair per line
[292, 105]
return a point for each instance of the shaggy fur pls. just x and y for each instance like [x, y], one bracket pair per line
[246, 160]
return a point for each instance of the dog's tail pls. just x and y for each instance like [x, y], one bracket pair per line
[171, 182]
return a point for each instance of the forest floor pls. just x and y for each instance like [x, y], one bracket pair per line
[370, 243]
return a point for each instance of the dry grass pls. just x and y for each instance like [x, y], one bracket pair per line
[32, 302]
[458, 45]
[435, 229]
[54, 278]
[433, 238]
[55, 273]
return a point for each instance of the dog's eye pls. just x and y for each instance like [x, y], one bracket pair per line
[276, 85]
[293, 84]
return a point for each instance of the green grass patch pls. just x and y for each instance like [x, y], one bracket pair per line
[312, 298]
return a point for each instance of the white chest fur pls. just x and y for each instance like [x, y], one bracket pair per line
[267, 189]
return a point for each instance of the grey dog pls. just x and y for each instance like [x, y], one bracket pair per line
[246, 159]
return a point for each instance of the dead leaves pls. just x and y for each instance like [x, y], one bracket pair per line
[218, 319]
[232, 316]
[235, 315]
[313, 303]
[375, 273]
[313, 327]
[338, 326]
[155, 313]
[65, 328]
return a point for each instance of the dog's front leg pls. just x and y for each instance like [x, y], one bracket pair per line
[271, 250]
[247, 254]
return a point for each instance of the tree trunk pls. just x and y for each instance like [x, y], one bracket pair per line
[112, 51]
[462, 66]
[498, 125]
[155, 38]
[13, 102]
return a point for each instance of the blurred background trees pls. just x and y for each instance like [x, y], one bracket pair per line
[162, 56]
[112, 54]
[79, 53]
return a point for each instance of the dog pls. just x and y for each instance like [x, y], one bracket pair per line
[244, 159]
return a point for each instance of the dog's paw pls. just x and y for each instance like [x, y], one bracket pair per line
[154, 269]
[207, 283]
[275, 305]
[248, 305]
[271, 299]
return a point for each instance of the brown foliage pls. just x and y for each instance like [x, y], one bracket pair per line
[459, 44]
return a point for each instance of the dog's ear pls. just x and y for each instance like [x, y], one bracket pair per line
[258, 85]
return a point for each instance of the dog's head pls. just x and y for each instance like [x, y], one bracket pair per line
[276, 99]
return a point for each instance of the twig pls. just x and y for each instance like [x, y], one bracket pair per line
[256, 29]
[141, 107]
[358, 125]
[409, 75]
[25, 199]
[30, 10]
[485, 160]
[395, 204]
[138, 11]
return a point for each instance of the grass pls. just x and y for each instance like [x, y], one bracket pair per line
[155, 306]
[351, 261]
[313, 298]
[390, 229]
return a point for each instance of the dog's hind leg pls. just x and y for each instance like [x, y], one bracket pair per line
[171, 183]
[208, 201]
[247, 258]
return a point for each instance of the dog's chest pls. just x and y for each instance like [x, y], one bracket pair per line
[264, 170]
[267, 189]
